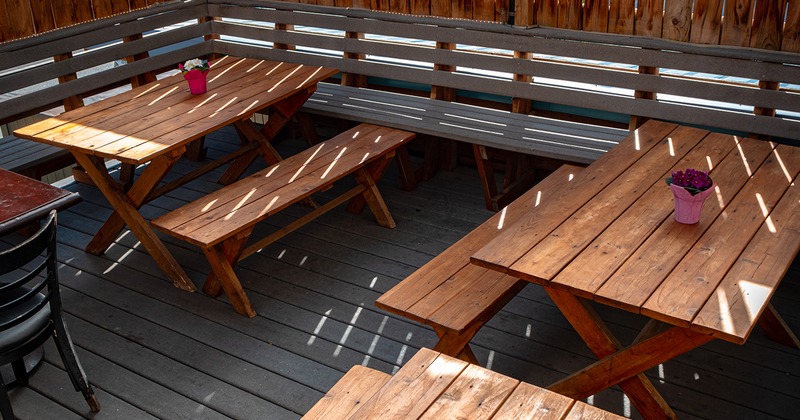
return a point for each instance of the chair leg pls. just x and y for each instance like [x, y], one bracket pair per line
[20, 374]
[5, 403]
[73, 365]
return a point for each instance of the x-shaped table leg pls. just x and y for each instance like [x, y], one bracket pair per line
[618, 365]
[282, 113]
[126, 211]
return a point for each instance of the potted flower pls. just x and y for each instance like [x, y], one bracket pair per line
[194, 71]
[690, 188]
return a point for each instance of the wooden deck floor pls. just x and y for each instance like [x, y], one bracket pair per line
[153, 351]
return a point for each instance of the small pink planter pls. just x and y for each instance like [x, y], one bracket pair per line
[197, 81]
[688, 206]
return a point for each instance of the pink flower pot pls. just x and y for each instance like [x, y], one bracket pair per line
[688, 206]
[197, 81]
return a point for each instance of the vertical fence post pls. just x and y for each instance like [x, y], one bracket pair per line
[635, 120]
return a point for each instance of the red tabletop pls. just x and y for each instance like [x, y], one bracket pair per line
[23, 199]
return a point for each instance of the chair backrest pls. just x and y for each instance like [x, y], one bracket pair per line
[28, 277]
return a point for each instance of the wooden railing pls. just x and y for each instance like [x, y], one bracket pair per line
[572, 73]
[763, 24]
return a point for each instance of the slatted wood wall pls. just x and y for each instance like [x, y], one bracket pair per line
[765, 24]
[22, 18]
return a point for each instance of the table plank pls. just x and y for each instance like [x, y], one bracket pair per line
[596, 263]
[744, 293]
[413, 388]
[151, 101]
[534, 403]
[555, 251]
[514, 242]
[640, 275]
[476, 394]
[681, 295]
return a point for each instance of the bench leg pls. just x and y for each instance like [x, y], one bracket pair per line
[374, 199]
[457, 345]
[224, 274]
[375, 171]
[232, 251]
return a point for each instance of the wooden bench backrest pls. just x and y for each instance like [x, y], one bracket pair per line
[583, 72]
[113, 51]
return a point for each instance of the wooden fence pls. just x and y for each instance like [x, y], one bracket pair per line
[763, 24]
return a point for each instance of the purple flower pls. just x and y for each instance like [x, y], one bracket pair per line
[692, 180]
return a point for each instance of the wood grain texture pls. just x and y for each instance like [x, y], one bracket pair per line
[596, 16]
[355, 387]
[634, 282]
[767, 26]
[649, 18]
[680, 297]
[612, 248]
[707, 22]
[736, 25]
[677, 20]
[530, 231]
[621, 17]
[560, 247]
[791, 31]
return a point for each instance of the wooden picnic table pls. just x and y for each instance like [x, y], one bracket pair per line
[609, 236]
[432, 385]
[155, 123]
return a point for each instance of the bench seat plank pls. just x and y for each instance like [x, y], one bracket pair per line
[456, 297]
[540, 136]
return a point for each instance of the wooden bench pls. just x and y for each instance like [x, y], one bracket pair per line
[560, 140]
[457, 298]
[32, 159]
[221, 222]
[434, 385]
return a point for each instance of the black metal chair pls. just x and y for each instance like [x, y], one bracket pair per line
[30, 311]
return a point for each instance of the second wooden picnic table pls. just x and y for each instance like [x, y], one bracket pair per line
[155, 123]
[609, 236]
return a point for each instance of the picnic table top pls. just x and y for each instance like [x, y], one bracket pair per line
[434, 385]
[610, 235]
[151, 120]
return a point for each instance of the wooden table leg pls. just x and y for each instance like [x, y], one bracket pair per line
[126, 212]
[223, 270]
[282, 112]
[776, 328]
[617, 365]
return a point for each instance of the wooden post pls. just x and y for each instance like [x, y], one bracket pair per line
[636, 120]
[146, 77]
[73, 101]
[285, 28]
[352, 79]
[441, 92]
[769, 112]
